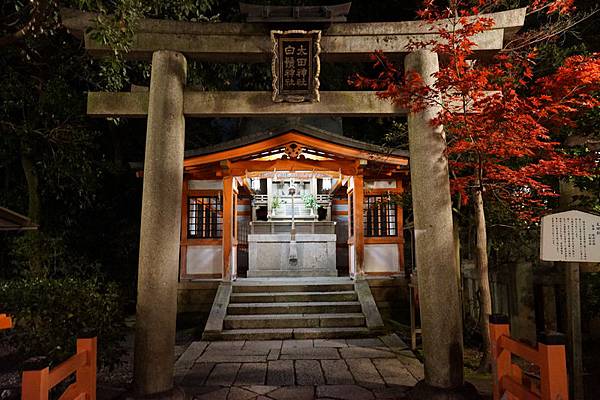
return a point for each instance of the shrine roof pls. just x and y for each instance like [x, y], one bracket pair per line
[302, 129]
[12, 221]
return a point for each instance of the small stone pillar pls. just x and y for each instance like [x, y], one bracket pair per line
[522, 322]
[160, 227]
[441, 318]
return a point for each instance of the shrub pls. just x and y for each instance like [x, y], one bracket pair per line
[49, 314]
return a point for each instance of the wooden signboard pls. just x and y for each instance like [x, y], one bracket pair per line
[296, 65]
[571, 236]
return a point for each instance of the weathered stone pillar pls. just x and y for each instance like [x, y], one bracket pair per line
[160, 227]
[441, 318]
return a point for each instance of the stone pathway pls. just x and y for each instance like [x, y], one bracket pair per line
[342, 369]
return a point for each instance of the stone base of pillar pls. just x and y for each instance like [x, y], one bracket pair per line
[423, 391]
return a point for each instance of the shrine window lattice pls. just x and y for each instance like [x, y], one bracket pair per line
[205, 217]
[379, 216]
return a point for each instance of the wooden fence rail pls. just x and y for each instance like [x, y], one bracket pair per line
[5, 322]
[38, 382]
[549, 356]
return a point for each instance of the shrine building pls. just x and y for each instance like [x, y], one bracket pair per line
[341, 196]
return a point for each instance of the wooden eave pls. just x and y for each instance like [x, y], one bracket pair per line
[341, 151]
[12, 221]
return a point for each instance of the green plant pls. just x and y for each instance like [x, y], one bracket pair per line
[49, 314]
[275, 203]
[309, 200]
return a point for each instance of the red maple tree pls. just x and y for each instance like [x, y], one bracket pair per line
[499, 119]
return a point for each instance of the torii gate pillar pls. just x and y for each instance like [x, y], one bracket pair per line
[160, 227]
[441, 317]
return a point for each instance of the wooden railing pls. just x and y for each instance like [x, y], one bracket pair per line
[39, 380]
[509, 380]
[5, 322]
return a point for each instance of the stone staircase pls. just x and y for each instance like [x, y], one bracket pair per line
[298, 308]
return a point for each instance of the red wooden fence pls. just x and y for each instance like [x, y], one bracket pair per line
[549, 356]
[37, 383]
[5, 322]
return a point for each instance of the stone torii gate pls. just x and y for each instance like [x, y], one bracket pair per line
[168, 44]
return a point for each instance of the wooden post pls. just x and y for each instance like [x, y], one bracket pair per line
[574, 328]
[227, 225]
[86, 375]
[501, 360]
[35, 382]
[359, 233]
[553, 378]
[5, 322]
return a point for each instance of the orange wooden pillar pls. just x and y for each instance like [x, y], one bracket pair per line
[359, 232]
[86, 375]
[5, 322]
[553, 379]
[36, 382]
[501, 359]
[227, 226]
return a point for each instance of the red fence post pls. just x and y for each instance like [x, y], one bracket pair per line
[553, 371]
[86, 375]
[35, 379]
[5, 322]
[501, 360]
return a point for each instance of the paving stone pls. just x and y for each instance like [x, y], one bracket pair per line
[330, 343]
[190, 355]
[336, 372]
[394, 372]
[264, 345]
[196, 376]
[220, 394]
[391, 393]
[226, 345]
[260, 389]
[321, 353]
[364, 372]
[293, 393]
[251, 374]
[308, 373]
[295, 344]
[223, 374]
[235, 355]
[366, 342]
[363, 352]
[236, 393]
[414, 366]
[280, 373]
[273, 354]
[195, 391]
[344, 392]
[394, 342]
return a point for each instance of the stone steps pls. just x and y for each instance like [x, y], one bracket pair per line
[291, 286]
[291, 297]
[301, 307]
[294, 308]
[296, 333]
[260, 321]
